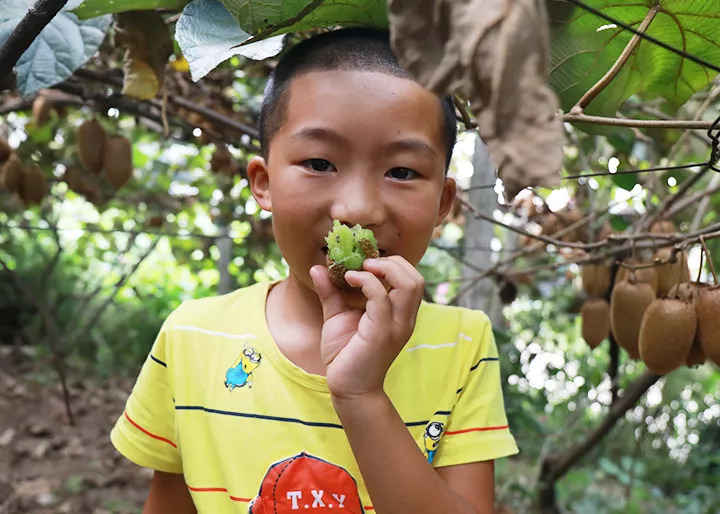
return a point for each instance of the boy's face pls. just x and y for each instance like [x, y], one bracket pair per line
[360, 147]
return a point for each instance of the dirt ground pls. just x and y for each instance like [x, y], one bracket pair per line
[47, 465]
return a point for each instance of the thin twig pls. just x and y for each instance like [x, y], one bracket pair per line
[625, 122]
[709, 260]
[20, 39]
[592, 93]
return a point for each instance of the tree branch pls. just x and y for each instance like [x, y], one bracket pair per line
[630, 397]
[23, 35]
[617, 66]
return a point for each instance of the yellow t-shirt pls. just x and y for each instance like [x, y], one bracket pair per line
[250, 431]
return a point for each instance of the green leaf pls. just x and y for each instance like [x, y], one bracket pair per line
[93, 8]
[273, 17]
[64, 45]
[585, 46]
[208, 35]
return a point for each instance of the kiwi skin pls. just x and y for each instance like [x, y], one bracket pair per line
[707, 304]
[628, 304]
[91, 145]
[671, 273]
[667, 334]
[647, 275]
[595, 314]
[595, 279]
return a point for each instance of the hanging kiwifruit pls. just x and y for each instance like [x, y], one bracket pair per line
[628, 303]
[595, 279]
[595, 314]
[221, 161]
[33, 186]
[91, 145]
[707, 304]
[551, 224]
[663, 227]
[666, 334]
[41, 108]
[670, 273]
[5, 151]
[118, 161]
[646, 275]
[687, 291]
[696, 355]
[570, 217]
[12, 172]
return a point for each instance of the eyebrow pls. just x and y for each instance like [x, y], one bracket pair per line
[332, 136]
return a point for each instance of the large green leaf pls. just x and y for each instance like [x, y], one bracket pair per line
[92, 8]
[64, 45]
[281, 16]
[585, 46]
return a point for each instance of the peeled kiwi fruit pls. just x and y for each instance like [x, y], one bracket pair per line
[707, 305]
[595, 314]
[628, 303]
[91, 145]
[666, 334]
[347, 250]
[671, 273]
[12, 172]
[595, 279]
[33, 186]
[118, 161]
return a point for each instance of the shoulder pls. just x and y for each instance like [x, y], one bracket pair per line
[211, 310]
[446, 318]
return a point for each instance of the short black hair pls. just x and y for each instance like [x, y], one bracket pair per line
[356, 48]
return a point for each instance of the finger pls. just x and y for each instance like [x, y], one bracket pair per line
[330, 296]
[407, 285]
[378, 306]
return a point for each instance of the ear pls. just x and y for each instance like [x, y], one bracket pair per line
[259, 180]
[446, 200]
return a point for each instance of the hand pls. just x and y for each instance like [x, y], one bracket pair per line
[358, 346]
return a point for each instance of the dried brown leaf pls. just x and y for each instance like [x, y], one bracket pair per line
[495, 54]
[148, 46]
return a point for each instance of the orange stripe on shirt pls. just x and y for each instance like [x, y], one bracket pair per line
[218, 490]
[168, 441]
[478, 429]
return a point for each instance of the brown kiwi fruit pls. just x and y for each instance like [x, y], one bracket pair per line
[221, 161]
[628, 303]
[33, 187]
[570, 217]
[41, 108]
[707, 304]
[644, 275]
[595, 279]
[5, 151]
[118, 161]
[663, 227]
[667, 334]
[671, 273]
[687, 291]
[12, 172]
[696, 355]
[595, 314]
[551, 224]
[76, 180]
[91, 139]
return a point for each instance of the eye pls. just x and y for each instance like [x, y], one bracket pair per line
[402, 173]
[318, 165]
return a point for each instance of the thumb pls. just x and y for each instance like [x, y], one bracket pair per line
[331, 299]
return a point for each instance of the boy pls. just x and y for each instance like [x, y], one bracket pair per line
[296, 395]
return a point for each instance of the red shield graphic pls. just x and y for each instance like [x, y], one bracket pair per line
[306, 483]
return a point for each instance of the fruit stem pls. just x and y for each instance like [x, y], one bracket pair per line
[711, 265]
[699, 276]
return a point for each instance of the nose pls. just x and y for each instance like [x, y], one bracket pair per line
[358, 199]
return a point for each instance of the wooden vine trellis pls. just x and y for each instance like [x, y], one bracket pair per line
[553, 466]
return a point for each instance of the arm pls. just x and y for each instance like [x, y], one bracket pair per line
[358, 347]
[168, 493]
[396, 473]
